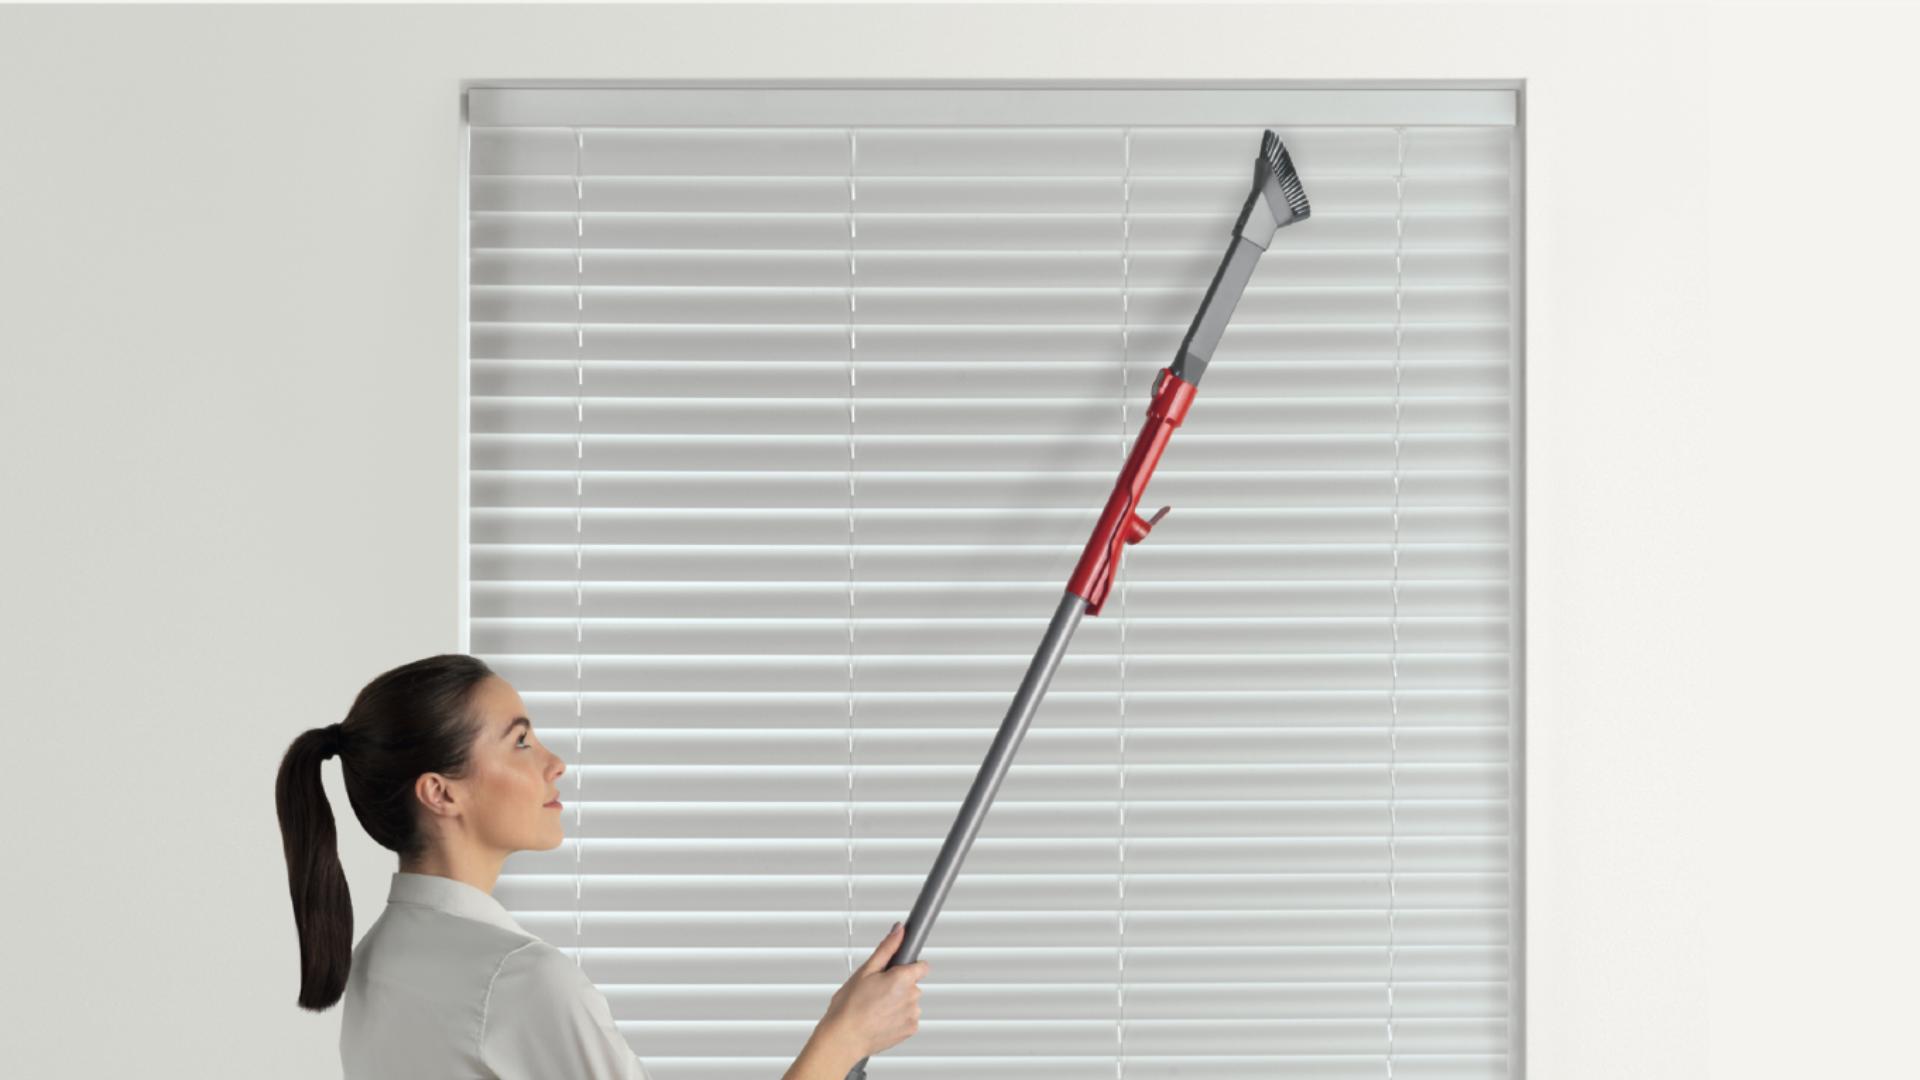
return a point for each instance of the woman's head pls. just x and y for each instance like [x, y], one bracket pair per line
[504, 798]
[437, 766]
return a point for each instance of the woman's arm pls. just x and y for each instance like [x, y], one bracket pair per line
[828, 1055]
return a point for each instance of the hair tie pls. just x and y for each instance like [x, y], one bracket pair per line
[335, 741]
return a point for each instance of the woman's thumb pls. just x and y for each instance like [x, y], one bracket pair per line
[884, 952]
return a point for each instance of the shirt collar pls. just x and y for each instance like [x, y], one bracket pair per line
[451, 896]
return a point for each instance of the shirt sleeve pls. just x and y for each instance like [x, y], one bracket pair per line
[546, 1019]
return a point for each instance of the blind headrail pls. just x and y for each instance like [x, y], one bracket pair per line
[977, 104]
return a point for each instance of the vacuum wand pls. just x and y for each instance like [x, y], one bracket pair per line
[1276, 200]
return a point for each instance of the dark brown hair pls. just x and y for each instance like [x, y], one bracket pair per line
[414, 719]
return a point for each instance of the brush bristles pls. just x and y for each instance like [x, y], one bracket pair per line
[1275, 152]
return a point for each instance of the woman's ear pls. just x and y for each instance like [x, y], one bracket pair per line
[436, 793]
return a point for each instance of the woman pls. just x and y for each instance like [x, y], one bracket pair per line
[442, 768]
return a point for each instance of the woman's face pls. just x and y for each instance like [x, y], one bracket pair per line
[511, 783]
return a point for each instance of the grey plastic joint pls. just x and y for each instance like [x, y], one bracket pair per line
[1258, 221]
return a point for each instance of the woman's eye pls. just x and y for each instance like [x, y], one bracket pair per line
[523, 742]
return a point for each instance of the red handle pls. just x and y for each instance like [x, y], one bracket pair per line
[1119, 523]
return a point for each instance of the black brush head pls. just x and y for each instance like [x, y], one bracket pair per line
[1274, 153]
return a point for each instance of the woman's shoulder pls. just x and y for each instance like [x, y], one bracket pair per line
[538, 969]
[544, 1017]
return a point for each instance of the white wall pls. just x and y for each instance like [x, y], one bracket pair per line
[228, 322]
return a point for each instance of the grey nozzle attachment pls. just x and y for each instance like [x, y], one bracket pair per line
[1276, 199]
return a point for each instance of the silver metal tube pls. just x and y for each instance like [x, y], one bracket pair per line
[986, 783]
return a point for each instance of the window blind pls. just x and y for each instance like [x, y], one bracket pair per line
[789, 412]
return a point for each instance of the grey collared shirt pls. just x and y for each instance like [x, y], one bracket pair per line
[446, 984]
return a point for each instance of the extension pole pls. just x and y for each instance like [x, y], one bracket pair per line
[1277, 199]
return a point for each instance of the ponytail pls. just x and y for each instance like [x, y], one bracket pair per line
[414, 719]
[322, 904]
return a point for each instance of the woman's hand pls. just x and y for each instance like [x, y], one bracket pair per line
[878, 1007]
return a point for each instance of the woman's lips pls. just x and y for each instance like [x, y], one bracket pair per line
[555, 804]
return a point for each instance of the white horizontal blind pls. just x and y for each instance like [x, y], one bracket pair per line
[784, 439]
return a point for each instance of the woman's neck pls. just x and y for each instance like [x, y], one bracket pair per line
[478, 869]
